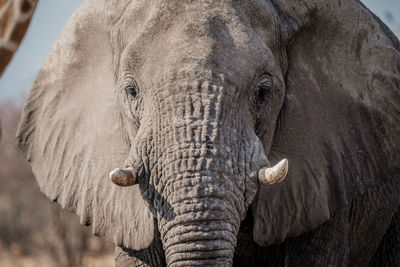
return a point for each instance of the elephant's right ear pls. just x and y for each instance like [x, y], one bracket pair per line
[70, 132]
[340, 123]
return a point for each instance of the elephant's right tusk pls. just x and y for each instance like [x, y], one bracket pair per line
[124, 177]
[275, 174]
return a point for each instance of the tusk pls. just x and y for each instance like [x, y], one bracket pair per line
[123, 177]
[275, 174]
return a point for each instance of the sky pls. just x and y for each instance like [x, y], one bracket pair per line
[51, 16]
[46, 25]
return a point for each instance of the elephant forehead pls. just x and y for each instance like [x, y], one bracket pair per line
[191, 36]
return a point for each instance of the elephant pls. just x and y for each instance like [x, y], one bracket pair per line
[240, 133]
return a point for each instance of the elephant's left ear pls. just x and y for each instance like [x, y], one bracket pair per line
[340, 122]
[70, 130]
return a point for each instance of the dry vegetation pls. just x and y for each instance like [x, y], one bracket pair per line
[34, 231]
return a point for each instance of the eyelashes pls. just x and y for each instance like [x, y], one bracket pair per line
[130, 86]
[263, 87]
[131, 92]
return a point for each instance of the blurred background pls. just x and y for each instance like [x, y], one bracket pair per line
[33, 230]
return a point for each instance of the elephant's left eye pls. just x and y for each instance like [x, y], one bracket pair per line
[263, 89]
[131, 91]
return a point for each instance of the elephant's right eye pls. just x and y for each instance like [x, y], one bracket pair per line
[131, 92]
[263, 89]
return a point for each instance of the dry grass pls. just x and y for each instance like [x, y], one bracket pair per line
[44, 261]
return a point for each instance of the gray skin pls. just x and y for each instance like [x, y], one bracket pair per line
[196, 96]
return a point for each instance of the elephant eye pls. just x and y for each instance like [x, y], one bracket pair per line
[263, 89]
[263, 93]
[131, 91]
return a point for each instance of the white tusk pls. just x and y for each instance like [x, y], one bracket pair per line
[275, 174]
[123, 177]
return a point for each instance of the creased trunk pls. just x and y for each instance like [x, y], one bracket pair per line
[200, 242]
[201, 227]
[200, 211]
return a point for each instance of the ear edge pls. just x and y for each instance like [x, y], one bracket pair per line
[260, 233]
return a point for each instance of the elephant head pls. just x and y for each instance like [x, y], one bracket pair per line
[191, 101]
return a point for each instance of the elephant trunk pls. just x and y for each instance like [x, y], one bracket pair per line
[202, 202]
[197, 239]
[202, 223]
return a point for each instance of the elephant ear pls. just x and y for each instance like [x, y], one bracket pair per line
[340, 122]
[70, 132]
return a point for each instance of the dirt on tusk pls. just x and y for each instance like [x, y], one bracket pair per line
[123, 177]
[275, 174]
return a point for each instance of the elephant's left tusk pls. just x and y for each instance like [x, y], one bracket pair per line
[275, 174]
[123, 177]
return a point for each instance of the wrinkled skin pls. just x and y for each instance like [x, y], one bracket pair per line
[196, 97]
